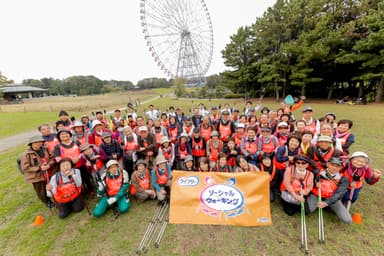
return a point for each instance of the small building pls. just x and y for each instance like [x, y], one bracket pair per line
[14, 92]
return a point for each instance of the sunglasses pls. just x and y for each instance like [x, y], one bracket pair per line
[301, 162]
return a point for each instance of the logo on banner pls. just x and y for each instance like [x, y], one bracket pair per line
[217, 200]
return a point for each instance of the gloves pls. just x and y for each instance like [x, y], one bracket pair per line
[111, 200]
[100, 186]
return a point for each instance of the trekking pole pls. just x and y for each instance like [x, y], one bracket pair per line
[321, 220]
[304, 239]
[351, 196]
[161, 233]
[158, 220]
[149, 229]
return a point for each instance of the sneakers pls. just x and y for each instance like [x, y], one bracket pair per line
[50, 204]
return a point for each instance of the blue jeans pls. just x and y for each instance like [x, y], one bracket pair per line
[354, 196]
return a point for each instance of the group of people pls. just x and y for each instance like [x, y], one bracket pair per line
[308, 159]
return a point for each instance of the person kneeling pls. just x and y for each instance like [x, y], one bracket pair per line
[161, 177]
[331, 186]
[113, 188]
[65, 188]
[141, 185]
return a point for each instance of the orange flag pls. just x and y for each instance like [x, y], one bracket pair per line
[219, 198]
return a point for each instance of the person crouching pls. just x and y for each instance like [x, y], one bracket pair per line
[141, 186]
[112, 188]
[65, 188]
[161, 177]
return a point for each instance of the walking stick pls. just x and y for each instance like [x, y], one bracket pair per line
[321, 221]
[351, 195]
[304, 239]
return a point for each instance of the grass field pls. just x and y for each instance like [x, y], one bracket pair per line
[84, 235]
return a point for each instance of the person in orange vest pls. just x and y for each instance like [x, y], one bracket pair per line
[79, 132]
[225, 127]
[306, 141]
[231, 151]
[221, 165]
[296, 186]
[249, 146]
[322, 152]
[332, 185]
[161, 176]
[198, 146]
[50, 139]
[214, 118]
[244, 166]
[65, 188]
[95, 137]
[147, 146]
[266, 165]
[312, 124]
[206, 128]
[67, 148]
[344, 136]
[112, 188]
[164, 120]
[282, 133]
[64, 118]
[101, 119]
[357, 170]
[38, 164]
[214, 147]
[167, 149]
[159, 132]
[174, 129]
[188, 126]
[141, 185]
[267, 143]
[182, 150]
[239, 134]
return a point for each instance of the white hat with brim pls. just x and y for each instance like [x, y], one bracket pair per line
[96, 122]
[110, 163]
[325, 139]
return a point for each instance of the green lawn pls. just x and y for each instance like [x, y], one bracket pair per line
[81, 234]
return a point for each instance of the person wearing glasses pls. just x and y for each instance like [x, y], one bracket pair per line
[296, 186]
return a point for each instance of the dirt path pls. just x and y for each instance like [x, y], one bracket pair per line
[18, 139]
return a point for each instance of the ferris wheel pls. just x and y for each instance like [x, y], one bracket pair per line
[179, 36]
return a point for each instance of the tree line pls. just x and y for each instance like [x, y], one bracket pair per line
[318, 48]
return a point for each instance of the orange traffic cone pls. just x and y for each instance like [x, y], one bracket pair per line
[356, 218]
[38, 221]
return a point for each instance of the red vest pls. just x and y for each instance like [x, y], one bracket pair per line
[131, 146]
[358, 183]
[159, 136]
[161, 179]
[326, 158]
[51, 144]
[145, 182]
[183, 153]
[295, 182]
[205, 132]
[237, 140]
[328, 187]
[267, 148]
[66, 192]
[164, 123]
[251, 147]
[225, 132]
[311, 127]
[214, 152]
[114, 185]
[344, 139]
[166, 154]
[173, 134]
[198, 148]
[71, 153]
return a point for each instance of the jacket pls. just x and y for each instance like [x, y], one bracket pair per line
[31, 164]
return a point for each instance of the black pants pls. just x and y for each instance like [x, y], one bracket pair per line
[291, 209]
[128, 165]
[41, 192]
[87, 180]
[64, 209]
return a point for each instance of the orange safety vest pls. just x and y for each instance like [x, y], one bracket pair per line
[250, 147]
[187, 129]
[311, 127]
[161, 179]
[237, 140]
[295, 182]
[326, 158]
[183, 153]
[214, 152]
[66, 192]
[165, 123]
[269, 147]
[205, 132]
[343, 140]
[358, 183]
[328, 187]
[159, 136]
[197, 148]
[145, 182]
[69, 152]
[166, 154]
[225, 131]
[173, 134]
[113, 185]
[51, 144]
[83, 140]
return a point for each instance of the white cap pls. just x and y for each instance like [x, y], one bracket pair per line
[96, 122]
[240, 125]
[282, 124]
[358, 154]
[143, 129]
[110, 163]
